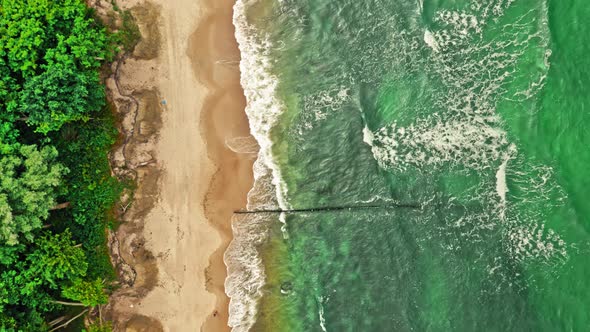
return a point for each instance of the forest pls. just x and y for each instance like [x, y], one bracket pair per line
[57, 195]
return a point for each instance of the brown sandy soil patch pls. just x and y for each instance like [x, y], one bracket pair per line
[133, 91]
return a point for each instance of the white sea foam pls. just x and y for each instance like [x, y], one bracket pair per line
[461, 127]
[430, 41]
[432, 142]
[327, 101]
[319, 105]
[263, 108]
[245, 270]
[536, 242]
[321, 314]
[368, 136]
[501, 187]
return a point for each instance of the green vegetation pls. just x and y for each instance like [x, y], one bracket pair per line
[50, 52]
[56, 188]
[130, 35]
[28, 185]
[99, 328]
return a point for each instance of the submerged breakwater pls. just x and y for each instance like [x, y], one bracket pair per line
[474, 112]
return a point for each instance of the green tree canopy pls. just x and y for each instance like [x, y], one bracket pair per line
[50, 51]
[8, 137]
[28, 185]
[50, 55]
[56, 258]
[89, 293]
[29, 287]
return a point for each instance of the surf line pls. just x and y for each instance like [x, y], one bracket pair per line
[333, 208]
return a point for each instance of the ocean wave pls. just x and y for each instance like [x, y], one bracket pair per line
[463, 130]
[260, 85]
[245, 270]
[475, 74]
[246, 275]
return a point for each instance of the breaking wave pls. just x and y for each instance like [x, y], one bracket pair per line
[465, 132]
[246, 275]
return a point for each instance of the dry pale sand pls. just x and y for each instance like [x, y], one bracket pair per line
[176, 231]
[200, 181]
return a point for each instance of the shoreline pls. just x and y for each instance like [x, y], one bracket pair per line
[169, 249]
[215, 56]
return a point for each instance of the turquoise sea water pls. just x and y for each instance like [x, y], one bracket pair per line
[465, 125]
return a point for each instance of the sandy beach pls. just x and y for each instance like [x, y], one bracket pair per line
[188, 105]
